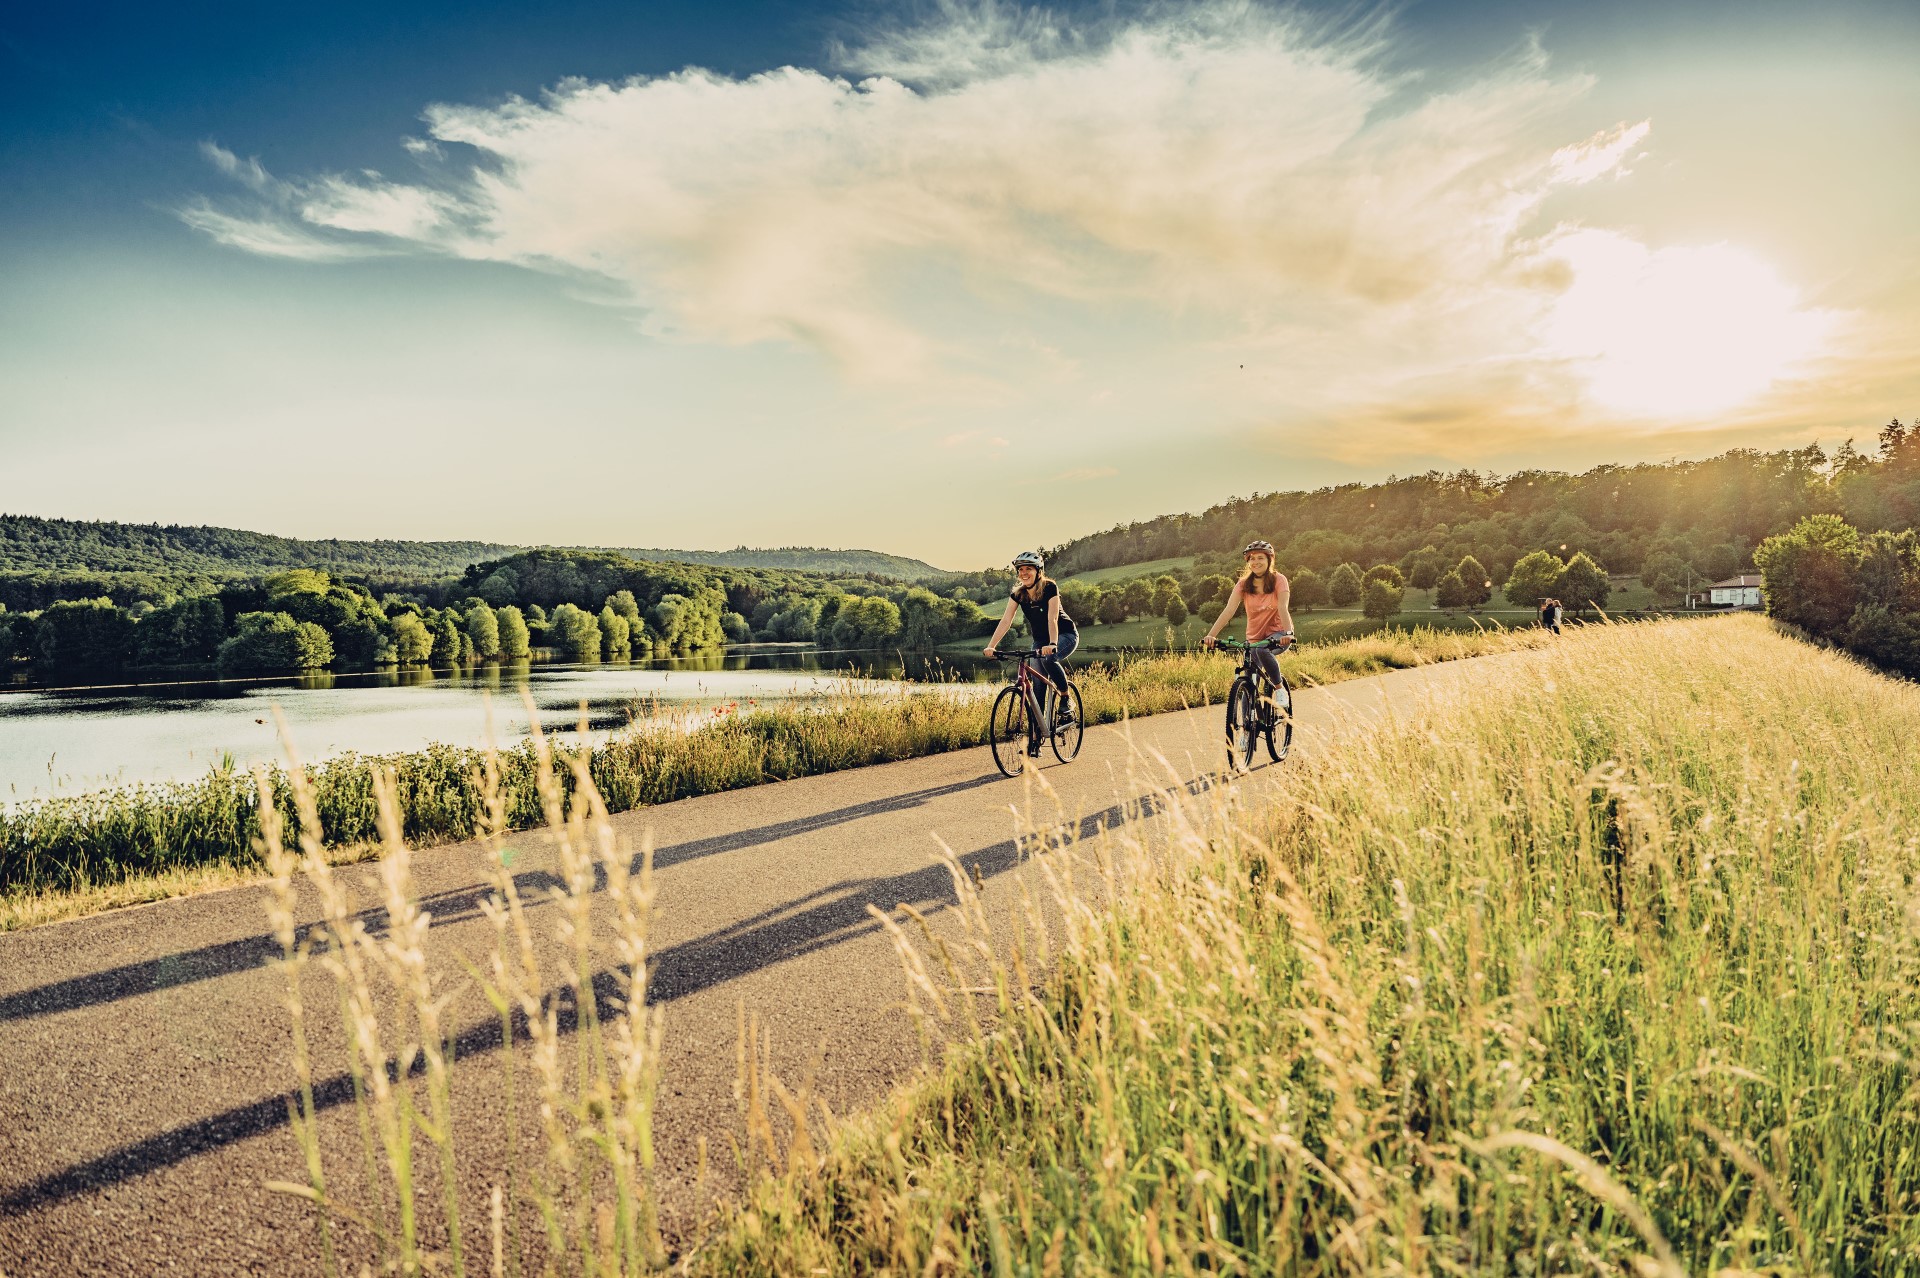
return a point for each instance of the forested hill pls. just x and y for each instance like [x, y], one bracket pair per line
[1672, 517]
[34, 545]
[30, 544]
[797, 559]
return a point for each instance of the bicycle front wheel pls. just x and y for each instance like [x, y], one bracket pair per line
[1067, 736]
[1243, 724]
[1007, 731]
[1279, 731]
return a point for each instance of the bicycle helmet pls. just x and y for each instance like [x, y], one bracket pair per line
[1031, 558]
[1262, 546]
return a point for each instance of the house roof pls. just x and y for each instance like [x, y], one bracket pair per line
[1744, 580]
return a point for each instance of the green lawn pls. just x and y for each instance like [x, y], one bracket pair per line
[1127, 572]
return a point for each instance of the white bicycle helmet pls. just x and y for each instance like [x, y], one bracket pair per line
[1031, 558]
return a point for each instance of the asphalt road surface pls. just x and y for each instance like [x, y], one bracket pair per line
[144, 1053]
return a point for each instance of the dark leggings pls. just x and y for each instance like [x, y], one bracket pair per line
[1267, 661]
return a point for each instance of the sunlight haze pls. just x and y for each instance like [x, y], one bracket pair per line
[945, 281]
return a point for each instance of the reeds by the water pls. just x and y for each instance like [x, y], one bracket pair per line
[1608, 965]
[145, 840]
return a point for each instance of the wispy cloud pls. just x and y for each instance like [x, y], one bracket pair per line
[1226, 168]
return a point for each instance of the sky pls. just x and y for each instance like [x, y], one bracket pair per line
[948, 280]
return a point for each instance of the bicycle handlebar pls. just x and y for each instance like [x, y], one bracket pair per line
[1238, 645]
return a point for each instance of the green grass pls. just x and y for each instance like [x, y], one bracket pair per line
[1127, 572]
[1533, 978]
[63, 856]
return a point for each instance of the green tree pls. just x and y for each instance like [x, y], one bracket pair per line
[1476, 583]
[1344, 587]
[1665, 574]
[1535, 577]
[1584, 584]
[1810, 573]
[1211, 588]
[446, 640]
[1422, 567]
[735, 628]
[89, 634]
[1138, 597]
[1165, 591]
[1176, 613]
[1450, 591]
[1309, 590]
[616, 636]
[1113, 607]
[483, 627]
[1387, 573]
[1382, 599]
[576, 633]
[412, 641]
[514, 640]
[275, 641]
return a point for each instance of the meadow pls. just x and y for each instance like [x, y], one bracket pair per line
[1609, 966]
[64, 856]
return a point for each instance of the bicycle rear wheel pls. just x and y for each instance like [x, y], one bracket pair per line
[1243, 724]
[1279, 731]
[1067, 737]
[1007, 731]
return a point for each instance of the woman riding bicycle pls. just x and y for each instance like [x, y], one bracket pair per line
[1265, 595]
[1054, 634]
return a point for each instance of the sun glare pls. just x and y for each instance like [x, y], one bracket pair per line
[1676, 331]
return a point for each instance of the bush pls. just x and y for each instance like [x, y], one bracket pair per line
[266, 641]
[1382, 599]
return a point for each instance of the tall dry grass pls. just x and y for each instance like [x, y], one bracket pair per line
[1611, 965]
[62, 856]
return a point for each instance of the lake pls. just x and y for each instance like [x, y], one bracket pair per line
[58, 741]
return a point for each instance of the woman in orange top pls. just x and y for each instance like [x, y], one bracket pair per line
[1265, 594]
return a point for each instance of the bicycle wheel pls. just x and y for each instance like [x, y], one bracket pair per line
[1067, 737]
[1243, 724]
[1279, 722]
[1007, 731]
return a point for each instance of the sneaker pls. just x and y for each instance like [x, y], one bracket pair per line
[1033, 752]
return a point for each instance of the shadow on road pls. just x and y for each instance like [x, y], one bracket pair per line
[806, 925]
[453, 906]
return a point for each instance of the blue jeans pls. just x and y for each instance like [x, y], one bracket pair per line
[1054, 667]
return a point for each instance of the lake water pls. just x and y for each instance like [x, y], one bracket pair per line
[58, 741]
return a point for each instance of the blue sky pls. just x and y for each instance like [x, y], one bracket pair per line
[969, 278]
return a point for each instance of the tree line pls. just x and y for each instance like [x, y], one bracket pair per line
[1856, 589]
[1679, 525]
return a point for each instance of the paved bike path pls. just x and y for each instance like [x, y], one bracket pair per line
[144, 1053]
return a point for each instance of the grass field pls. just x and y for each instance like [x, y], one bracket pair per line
[1127, 572]
[1535, 979]
[68, 856]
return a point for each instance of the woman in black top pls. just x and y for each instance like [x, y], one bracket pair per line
[1054, 634]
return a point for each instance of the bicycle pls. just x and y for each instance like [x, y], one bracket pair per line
[1019, 714]
[1255, 712]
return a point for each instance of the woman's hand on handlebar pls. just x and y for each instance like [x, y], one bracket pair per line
[1047, 651]
[990, 652]
[1209, 641]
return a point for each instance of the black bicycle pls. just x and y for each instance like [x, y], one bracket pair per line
[1023, 713]
[1255, 710]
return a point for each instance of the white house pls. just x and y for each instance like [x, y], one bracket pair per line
[1735, 592]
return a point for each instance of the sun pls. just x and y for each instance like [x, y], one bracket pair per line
[1677, 331]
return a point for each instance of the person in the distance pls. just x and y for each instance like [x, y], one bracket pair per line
[1038, 596]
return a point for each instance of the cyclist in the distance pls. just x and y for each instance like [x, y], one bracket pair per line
[1054, 634]
[1265, 595]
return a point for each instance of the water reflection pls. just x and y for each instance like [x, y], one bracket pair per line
[68, 740]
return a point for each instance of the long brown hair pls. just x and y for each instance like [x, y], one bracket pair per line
[1040, 583]
[1252, 583]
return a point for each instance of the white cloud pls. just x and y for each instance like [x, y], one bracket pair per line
[1217, 174]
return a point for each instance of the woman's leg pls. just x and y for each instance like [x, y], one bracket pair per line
[1054, 666]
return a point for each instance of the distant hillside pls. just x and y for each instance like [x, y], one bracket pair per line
[797, 559]
[42, 560]
[30, 544]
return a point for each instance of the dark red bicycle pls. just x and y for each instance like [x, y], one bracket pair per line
[1029, 709]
